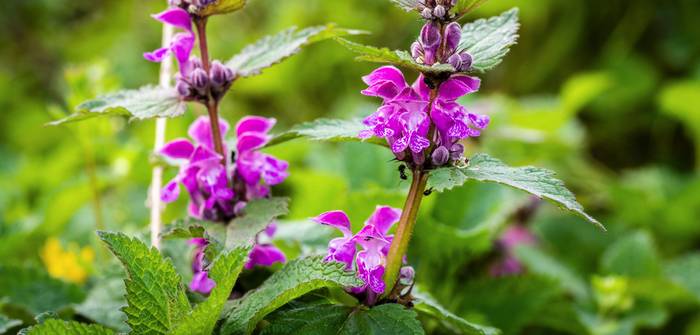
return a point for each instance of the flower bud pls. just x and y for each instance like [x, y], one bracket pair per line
[440, 156]
[430, 40]
[200, 80]
[196, 63]
[217, 73]
[427, 13]
[456, 151]
[417, 51]
[453, 33]
[461, 62]
[439, 11]
[183, 88]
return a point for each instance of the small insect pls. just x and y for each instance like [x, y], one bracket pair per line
[428, 192]
[402, 172]
[233, 156]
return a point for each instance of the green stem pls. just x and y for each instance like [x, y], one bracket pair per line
[212, 104]
[407, 222]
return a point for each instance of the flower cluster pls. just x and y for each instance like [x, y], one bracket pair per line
[192, 5]
[439, 43]
[374, 241]
[513, 237]
[435, 9]
[181, 44]
[408, 114]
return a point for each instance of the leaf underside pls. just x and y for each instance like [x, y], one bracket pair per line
[407, 5]
[258, 215]
[330, 130]
[537, 181]
[489, 40]
[145, 103]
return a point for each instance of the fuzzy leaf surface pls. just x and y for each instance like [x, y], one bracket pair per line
[295, 279]
[147, 102]
[536, 181]
[330, 130]
[400, 58]
[60, 327]
[407, 5]
[273, 49]
[156, 300]
[258, 214]
[383, 319]
[489, 40]
[224, 271]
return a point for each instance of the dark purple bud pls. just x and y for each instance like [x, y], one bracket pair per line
[430, 39]
[453, 3]
[200, 80]
[196, 63]
[461, 62]
[439, 11]
[228, 74]
[217, 73]
[440, 156]
[183, 88]
[453, 32]
[417, 51]
[406, 275]
[456, 151]
[427, 13]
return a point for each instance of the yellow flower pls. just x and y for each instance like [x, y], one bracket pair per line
[71, 264]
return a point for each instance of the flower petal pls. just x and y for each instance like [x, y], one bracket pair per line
[176, 17]
[383, 218]
[264, 255]
[156, 56]
[458, 86]
[200, 131]
[171, 191]
[337, 219]
[178, 149]
[251, 141]
[201, 283]
[257, 124]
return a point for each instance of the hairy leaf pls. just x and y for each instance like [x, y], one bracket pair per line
[295, 279]
[145, 103]
[307, 319]
[273, 49]
[33, 289]
[407, 5]
[537, 181]
[426, 304]
[258, 214]
[383, 319]
[154, 293]
[7, 323]
[489, 40]
[60, 327]
[465, 6]
[222, 7]
[224, 271]
[183, 229]
[332, 130]
[397, 57]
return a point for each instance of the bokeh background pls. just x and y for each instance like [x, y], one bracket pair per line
[606, 93]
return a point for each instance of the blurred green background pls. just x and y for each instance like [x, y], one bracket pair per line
[606, 93]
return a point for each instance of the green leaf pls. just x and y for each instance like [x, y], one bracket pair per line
[224, 271]
[145, 103]
[465, 6]
[307, 319]
[273, 49]
[633, 255]
[537, 181]
[222, 7]
[383, 319]
[397, 57]
[426, 304]
[489, 40]
[295, 279]
[103, 303]
[183, 229]
[33, 289]
[258, 214]
[407, 5]
[60, 327]
[7, 323]
[332, 130]
[545, 265]
[685, 271]
[154, 293]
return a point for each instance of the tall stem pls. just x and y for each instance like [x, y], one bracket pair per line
[157, 173]
[407, 222]
[212, 104]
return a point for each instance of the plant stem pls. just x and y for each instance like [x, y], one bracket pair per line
[157, 174]
[212, 104]
[407, 222]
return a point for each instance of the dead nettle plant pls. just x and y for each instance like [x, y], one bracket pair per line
[364, 285]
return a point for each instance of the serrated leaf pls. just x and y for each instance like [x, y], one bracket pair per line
[465, 6]
[183, 229]
[60, 327]
[537, 181]
[224, 271]
[331, 130]
[145, 103]
[33, 289]
[307, 319]
[295, 279]
[273, 49]
[383, 319]
[396, 57]
[7, 323]
[426, 304]
[489, 40]
[258, 214]
[222, 7]
[407, 5]
[154, 293]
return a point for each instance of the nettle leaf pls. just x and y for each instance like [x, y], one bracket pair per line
[426, 304]
[537, 181]
[396, 57]
[145, 103]
[7, 323]
[183, 229]
[465, 6]
[60, 327]
[273, 49]
[222, 7]
[295, 279]
[489, 40]
[258, 214]
[383, 319]
[154, 293]
[33, 290]
[331, 130]
[224, 271]
[407, 5]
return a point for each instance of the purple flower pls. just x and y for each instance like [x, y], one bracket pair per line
[200, 280]
[441, 46]
[406, 115]
[513, 237]
[181, 44]
[265, 253]
[372, 238]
